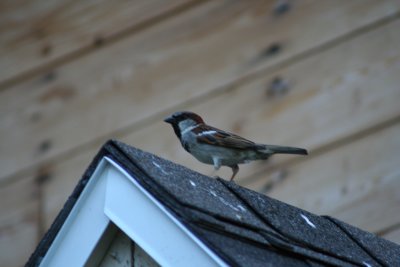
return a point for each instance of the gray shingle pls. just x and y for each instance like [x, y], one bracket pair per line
[242, 226]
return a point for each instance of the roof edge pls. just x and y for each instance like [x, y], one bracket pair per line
[49, 237]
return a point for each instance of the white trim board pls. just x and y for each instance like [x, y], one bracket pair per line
[113, 196]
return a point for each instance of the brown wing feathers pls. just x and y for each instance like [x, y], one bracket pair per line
[213, 136]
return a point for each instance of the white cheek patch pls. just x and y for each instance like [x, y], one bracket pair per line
[186, 129]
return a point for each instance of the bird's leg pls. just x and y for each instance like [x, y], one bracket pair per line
[235, 169]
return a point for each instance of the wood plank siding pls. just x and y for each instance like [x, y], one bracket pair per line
[76, 73]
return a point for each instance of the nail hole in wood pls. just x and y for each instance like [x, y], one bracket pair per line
[281, 7]
[45, 145]
[46, 50]
[272, 50]
[44, 174]
[50, 76]
[278, 87]
[98, 41]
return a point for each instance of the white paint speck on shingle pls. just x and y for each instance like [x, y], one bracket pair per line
[241, 208]
[228, 204]
[159, 167]
[308, 221]
[192, 183]
[367, 264]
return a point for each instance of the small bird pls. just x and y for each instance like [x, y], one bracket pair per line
[220, 148]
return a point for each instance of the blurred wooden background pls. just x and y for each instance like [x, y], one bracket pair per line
[324, 75]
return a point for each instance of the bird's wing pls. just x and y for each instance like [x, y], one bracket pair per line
[213, 136]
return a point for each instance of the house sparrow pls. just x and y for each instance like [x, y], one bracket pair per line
[219, 148]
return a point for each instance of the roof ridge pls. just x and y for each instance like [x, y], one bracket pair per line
[156, 187]
[218, 211]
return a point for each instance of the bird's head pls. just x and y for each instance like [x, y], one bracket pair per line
[182, 120]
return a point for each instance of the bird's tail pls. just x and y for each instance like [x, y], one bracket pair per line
[271, 149]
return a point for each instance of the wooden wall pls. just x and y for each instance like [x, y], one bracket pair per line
[76, 73]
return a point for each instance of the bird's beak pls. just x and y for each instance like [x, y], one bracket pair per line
[169, 119]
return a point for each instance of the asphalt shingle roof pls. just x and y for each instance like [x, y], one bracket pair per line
[243, 227]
